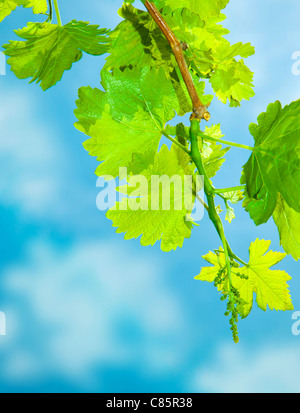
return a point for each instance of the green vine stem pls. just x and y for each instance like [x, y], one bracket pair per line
[202, 202]
[57, 13]
[196, 138]
[237, 145]
[214, 217]
[175, 142]
[50, 15]
[208, 188]
[195, 131]
[231, 189]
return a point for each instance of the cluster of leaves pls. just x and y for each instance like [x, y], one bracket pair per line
[256, 277]
[272, 173]
[142, 90]
[209, 54]
[50, 49]
[7, 6]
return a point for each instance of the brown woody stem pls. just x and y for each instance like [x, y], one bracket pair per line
[200, 110]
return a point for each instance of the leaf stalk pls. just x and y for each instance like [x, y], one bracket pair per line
[175, 142]
[231, 189]
[57, 13]
[237, 145]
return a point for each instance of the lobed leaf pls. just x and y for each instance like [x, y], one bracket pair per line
[213, 153]
[211, 56]
[274, 166]
[204, 8]
[167, 222]
[129, 117]
[288, 224]
[137, 41]
[38, 6]
[7, 6]
[49, 49]
[270, 286]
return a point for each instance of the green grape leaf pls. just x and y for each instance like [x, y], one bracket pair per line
[151, 211]
[145, 45]
[233, 81]
[204, 8]
[38, 6]
[181, 132]
[230, 215]
[274, 166]
[160, 4]
[137, 41]
[288, 224]
[270, 286]
[214, 131]
[7, 6]
[201, 36]
[50, 49]
[129, 117]
[225, 51]
[234, 196]
[183, 94]
[213, 153]
[141, 161]
[210, 55]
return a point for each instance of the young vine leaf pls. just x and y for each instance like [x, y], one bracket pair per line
[205, 8]
[288, 224]
[38, 6]
[274, 166]
[212, 56]
[145, 45]
[50, 49]
[234, 197]
[130, 116]
[270, 286]
[157, 216]
[7, 6]
[212, 152]
[209, 53]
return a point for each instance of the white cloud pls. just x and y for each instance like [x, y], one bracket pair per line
[270, 369]
[38, 178]
[28, 156]
[96, 306]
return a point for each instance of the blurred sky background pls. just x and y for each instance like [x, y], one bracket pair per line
[89, 312]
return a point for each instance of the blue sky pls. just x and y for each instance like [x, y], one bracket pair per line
[87, 311]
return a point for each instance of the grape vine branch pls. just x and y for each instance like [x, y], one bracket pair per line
[199, 110]
[159, 61]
